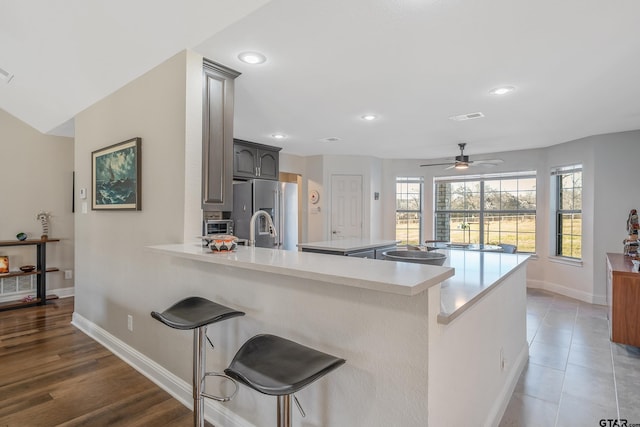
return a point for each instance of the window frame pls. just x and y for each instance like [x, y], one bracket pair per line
[482, 211]
[410, 180]
[557, 211]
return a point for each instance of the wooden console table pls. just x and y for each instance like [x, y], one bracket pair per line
[623, 298]
[41, 272]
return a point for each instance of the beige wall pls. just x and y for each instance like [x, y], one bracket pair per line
[36, 173]
[114, 271]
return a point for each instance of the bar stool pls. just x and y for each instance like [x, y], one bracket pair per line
[197, 313]
[278, 367]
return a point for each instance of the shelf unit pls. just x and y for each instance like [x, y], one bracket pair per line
[40, 273]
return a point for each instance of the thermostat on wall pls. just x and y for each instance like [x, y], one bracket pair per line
[314, 196]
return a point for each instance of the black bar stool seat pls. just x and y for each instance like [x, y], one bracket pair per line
[194, 312]
[197, 313]
[279, 367]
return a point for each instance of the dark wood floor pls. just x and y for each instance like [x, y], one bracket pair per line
[51, 374]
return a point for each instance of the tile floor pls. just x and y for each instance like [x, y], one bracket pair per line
[575, 376]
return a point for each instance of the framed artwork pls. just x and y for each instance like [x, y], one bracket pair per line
[115, 176]
[4, 264]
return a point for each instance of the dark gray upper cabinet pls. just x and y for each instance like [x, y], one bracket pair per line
[253, 160]
[217, 137]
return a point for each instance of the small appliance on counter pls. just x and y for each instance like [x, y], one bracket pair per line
[217, 226]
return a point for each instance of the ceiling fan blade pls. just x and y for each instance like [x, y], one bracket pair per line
[439, 164]
[487, 162]
[450, 167]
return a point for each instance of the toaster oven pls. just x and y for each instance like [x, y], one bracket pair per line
[218, 226]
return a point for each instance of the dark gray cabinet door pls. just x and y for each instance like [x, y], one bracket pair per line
[252, 160]
[268, 164]
[245, 160]
[217, 137]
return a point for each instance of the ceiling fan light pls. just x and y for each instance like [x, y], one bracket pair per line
[461, 166]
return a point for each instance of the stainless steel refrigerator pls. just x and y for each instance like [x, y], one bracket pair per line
[279, 200]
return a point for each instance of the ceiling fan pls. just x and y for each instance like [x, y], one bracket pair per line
[463, 162]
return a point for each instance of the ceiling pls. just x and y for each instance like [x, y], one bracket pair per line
[413, 63]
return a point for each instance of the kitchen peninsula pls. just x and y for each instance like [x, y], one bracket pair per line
[423, 346]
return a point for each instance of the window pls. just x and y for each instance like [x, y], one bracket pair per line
[487, 209]
[568, 211]
[409, 210]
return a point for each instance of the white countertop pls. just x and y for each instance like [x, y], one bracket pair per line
[476, 274]
[385, 276]
[348, 245]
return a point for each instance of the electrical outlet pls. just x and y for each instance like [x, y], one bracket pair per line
[68, 274]
[130, 322]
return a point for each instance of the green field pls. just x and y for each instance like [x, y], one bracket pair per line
[517, 232]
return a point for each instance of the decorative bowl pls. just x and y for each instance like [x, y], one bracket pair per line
[27, 268]
[222, 242]
[21, 236]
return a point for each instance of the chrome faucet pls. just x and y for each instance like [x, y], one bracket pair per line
[252, 226]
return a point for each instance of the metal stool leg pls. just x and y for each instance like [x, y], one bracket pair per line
[199, 354]
[284, 411]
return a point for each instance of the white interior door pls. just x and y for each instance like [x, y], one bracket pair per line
[346, 206]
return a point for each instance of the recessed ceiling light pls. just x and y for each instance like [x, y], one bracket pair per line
[252, 58]
[279, 136]
[469, 116]
[503, 90]
[369, 117]
[5, 75]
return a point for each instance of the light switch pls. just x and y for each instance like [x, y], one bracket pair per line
[84, 207]
[83, 193]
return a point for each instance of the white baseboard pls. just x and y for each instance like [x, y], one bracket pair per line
[63, 292]
[215, 412]
[568, 292]
[14, 296]
[502, 401]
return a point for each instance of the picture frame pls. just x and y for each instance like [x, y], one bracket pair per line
[4, 264]
[116, 176]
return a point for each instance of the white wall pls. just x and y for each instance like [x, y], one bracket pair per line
[36, 174]
[616, 192]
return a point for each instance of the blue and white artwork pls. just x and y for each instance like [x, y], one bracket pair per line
[116, 176]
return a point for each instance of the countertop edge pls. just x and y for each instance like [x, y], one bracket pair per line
[447, 318]
[350, 281]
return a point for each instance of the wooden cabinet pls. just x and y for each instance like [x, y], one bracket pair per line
[253, 160]
[217, 137]
[623, 298]
[40, 272]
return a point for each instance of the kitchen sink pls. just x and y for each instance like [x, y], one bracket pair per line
[418, 257]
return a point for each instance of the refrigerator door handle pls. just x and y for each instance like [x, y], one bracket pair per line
[278, 217]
